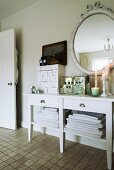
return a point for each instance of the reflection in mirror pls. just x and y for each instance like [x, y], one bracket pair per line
[90, 40]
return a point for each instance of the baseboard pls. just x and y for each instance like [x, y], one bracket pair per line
[97, 143]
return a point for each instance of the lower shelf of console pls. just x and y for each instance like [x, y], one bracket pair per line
[70, 136]
[84, 135]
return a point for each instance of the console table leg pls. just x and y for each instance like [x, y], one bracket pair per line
[62, 142]
[109, 141]
[61, 126]
[30, 125]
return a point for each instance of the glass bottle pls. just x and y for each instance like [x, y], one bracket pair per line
[69, 90]
[75, 88]
[71, 87]
[88, 89]
[64, 88]
[81, 90]
[61, 90]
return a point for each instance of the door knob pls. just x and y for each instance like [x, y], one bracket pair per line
[10, 84]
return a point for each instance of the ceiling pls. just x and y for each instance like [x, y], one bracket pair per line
[10, 7]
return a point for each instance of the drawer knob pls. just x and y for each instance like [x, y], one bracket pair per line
[82, 105]
[42, 101]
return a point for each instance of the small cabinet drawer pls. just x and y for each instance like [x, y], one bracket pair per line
[86, 105]
[40, 100]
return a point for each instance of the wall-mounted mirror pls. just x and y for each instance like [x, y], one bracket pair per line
[93, 39]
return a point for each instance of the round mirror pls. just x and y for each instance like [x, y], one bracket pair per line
[92, 40]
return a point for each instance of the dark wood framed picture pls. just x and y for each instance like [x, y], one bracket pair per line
[55, 53]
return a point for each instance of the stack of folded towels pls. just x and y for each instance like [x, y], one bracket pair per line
[47, 117]
[86, 124]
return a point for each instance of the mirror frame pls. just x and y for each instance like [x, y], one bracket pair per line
[91, 10]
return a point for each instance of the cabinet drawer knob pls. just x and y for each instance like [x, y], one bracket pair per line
[82, 105]
[42, 101]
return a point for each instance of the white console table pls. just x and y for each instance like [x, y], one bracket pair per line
[82, 103]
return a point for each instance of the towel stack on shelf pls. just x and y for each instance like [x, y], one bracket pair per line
[86, 124]
[47, 117]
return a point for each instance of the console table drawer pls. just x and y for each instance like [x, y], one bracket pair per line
[86, 105]
[43, 101]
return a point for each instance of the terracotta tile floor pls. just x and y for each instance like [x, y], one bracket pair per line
[43, 153]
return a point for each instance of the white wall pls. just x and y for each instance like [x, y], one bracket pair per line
[46, 21]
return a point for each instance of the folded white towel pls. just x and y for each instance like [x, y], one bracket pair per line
[92, 115]
[79, 133]
[50, 109]
[82, 116]
[86, 130]
[45, 123]
[87, 120]
[45, 116]
[50, 112]
[84, 125]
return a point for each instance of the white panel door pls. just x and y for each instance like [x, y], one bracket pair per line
[7, 80]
